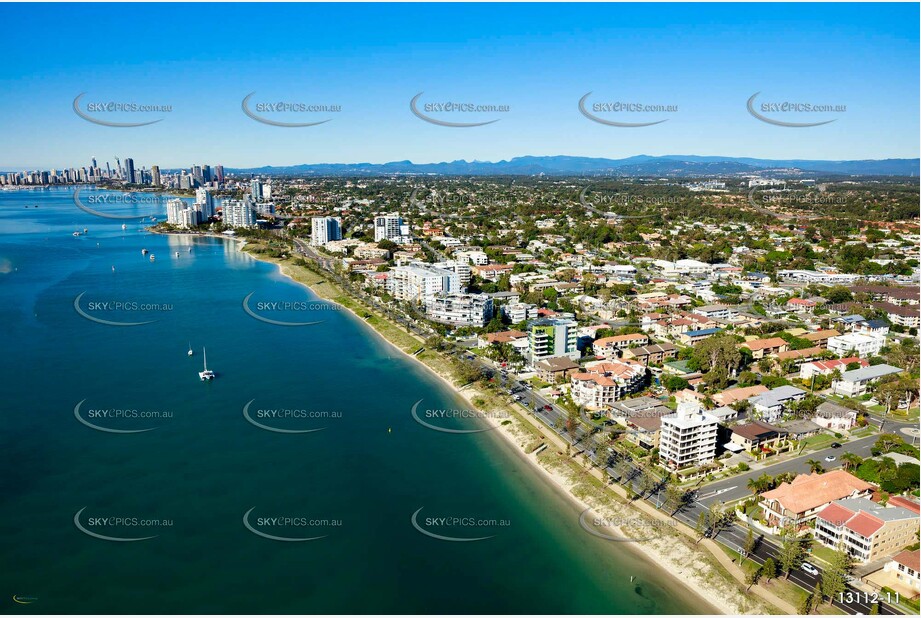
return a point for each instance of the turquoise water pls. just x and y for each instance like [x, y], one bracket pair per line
[356, 482]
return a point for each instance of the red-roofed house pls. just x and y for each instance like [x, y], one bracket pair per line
[798, 502]
[610, 347]
[905, 566]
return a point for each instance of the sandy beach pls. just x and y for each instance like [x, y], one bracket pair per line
[673, 551]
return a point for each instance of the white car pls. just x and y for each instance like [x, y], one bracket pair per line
[810, 569]
[831, 458]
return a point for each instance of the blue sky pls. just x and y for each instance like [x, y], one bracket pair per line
[371, 59]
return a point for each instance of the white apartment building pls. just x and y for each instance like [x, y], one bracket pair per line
[688, 437]
[862, 345]
[204, 204]
[173, 209]
[238, 213]
[455, 266]
[391, 227]
[477, 258]
[813, 276]
[854, 383]
[416, 282]
[519, 312]
[459, 309]
[325, 229]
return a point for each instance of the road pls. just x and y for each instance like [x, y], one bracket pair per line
[735, 488]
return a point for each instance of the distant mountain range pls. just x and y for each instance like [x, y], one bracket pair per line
[640, 165]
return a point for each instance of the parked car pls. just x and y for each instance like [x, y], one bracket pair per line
[831, 458]
[548, 407]
[836, 445]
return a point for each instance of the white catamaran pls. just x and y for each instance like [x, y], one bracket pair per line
[207, 374]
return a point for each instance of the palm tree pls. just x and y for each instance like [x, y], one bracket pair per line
[814, 465]
[851, 459]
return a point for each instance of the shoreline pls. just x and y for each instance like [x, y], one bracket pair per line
[695, 576]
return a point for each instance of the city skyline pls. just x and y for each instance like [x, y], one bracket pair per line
[700, 64]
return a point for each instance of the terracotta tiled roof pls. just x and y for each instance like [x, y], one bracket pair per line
[761, 344]
[738, 394]
[909, 559]
[810, 491]
[865, 524]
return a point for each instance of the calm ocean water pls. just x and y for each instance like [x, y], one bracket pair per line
[190, 481]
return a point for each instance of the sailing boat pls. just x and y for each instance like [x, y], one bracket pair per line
[207, 374]
[190, 349]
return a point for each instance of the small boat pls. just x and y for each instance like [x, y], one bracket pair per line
[190, 249]
[144, 251]
[152, 257]
[207, 374]
[124, 226]
[113, 269]
[190, 349]
[177, 254]
[85, 231]
[76, 233]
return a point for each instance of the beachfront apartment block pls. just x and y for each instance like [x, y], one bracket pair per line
[204, 204]
[459, 309]
[604, 382]
[854, 383]
[864, 529]
[553, 337]
[180, 214]
[688, 437]
[238, 213]
[325, 229]
[416, 282]
[859, 344]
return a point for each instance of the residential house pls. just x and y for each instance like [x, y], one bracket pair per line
[800, 305]
[756, 436]
[905, 568]
[734, 395]
[645, 431]
[555, 368]
[832, 416]
[800, 501]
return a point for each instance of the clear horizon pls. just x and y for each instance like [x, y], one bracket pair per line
[367, 62]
